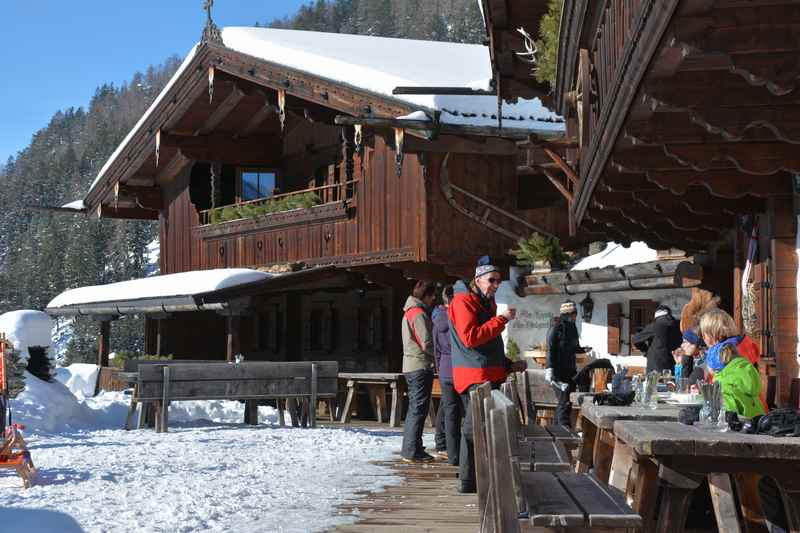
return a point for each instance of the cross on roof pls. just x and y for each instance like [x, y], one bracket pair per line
[211, 33]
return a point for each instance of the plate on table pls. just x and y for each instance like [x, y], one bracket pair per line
[684, 399]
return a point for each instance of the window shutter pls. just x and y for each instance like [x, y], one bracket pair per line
[614, 328]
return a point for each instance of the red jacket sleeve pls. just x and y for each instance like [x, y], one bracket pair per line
[749, 349]
[463, 313]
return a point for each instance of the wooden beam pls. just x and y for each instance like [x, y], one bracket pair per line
[568, 170]
[104, 343]
[175, 166]
[266, 111]
[727, 183]
[757, 158]
[143, 197]
[107, 211]
[222, 111]
[461, 145]
[260, 149]
[690, 90]
[558, 185]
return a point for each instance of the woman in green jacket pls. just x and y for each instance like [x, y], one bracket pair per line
[741, 383]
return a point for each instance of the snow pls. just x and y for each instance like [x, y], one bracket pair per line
[77, 205]
[79, 378]
[617, 255]
[379, 64]
[26, 328]
[416, 115]
[153, 266]
[209, 473]
[182, 284]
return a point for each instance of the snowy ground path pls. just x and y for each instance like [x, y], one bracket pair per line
[202, 477]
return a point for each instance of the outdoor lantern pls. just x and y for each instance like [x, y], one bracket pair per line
[587, 306]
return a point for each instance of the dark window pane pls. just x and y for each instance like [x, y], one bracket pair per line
[266, 184]
[250, 186]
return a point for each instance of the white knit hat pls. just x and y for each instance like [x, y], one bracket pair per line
[568, 307]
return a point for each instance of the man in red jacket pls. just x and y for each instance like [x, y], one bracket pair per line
[478, 352]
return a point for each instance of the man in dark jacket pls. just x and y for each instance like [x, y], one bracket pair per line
[448, 417]
[659, 339]
[563, 342]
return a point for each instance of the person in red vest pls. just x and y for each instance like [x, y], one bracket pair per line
[478, 352]
[417, 368]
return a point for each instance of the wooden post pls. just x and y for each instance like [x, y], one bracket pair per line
[233, 344]
[104, 342]
[159, 336]
[312, 407]
[164, 408]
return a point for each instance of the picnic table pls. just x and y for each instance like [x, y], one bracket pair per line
[678, 456]
[598, 441]
[376, 383]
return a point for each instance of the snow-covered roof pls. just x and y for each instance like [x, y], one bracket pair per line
[618, 255]
[169, 285]
[379, 65]
[26, 328]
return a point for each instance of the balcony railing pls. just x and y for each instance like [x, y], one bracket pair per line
[344, 192]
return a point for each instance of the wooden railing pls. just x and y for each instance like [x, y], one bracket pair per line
[325, 194]
[603, 66]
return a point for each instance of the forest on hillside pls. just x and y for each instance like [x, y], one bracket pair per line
[44, 253]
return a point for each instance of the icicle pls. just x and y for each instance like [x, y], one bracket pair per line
[158, 146]
[282, 108]
[399, 138]
[358, 136]
[211, 71]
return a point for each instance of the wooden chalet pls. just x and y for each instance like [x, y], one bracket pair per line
[288, 151]
[682, 130]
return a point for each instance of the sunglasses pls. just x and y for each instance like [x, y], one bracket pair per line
[495, 281]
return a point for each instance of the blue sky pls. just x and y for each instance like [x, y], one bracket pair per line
[56, 52]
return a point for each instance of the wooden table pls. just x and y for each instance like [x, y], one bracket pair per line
[680, 456]
[597, 447]
[376, 383]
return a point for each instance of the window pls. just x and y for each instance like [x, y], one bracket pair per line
[255, 183]
[641, 314]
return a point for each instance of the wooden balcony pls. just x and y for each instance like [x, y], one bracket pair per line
[332, 203]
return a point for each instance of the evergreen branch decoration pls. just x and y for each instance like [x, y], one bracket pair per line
[15, 371]
[547, 44]
[539, 248]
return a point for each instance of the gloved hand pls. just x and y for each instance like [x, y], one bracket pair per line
[548, 375]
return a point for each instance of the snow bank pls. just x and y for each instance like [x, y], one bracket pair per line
[79, 378]
[28, 328]
[50, 407]
[39, 520]
[182, 284]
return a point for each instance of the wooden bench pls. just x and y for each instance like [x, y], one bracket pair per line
[250, 382]
[541, 501]
[527, 413]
